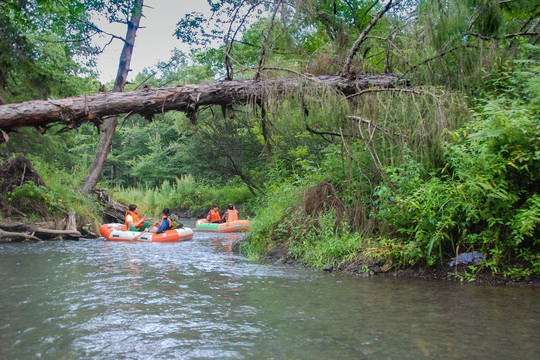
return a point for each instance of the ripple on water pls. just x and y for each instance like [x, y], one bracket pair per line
[100, 300]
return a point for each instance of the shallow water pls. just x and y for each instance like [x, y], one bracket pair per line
[94, 299]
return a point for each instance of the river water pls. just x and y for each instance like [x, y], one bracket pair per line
[95, 299]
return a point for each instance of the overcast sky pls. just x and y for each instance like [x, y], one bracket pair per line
[155, 39]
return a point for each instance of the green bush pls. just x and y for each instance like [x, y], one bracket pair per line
[485, 198]
[59, 196]
[324, 241]
[270, 212]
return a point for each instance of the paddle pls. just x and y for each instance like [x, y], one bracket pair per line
[131, 223]
[138, 236]
[156, 225]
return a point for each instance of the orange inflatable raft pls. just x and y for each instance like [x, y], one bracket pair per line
[227, 227]
[118, 232]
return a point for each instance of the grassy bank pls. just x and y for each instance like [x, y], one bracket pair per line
[37, 191]
[484, 197]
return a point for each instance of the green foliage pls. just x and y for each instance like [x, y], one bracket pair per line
[181, 69]
[39, 42]
[461, 33]
[313, 241]
[63, 186]
[224, 147]
[144, 154]
[56, 198]
[185, 194]
[319, 244]
[35, 199]
[485, 198]
[270, 210]
[48, 147]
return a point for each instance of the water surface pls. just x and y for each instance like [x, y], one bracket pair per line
[94, 299]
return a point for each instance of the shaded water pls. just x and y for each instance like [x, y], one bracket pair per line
[95, 299]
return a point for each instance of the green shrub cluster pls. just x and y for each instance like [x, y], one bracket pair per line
[34, 200]
[324, 241]
[270, 210]
[481, 193]
[56, 198]
[485, 199]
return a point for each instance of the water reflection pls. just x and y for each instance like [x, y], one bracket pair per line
[224, 242]
[196, 299]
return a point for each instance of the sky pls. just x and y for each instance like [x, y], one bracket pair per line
[154, 41]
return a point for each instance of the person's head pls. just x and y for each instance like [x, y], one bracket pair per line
[214, 206]
[230, 206]
[132, 207]
[166, 211]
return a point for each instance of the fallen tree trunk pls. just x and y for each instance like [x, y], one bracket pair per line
[30, 232]
[73, 233]
[74, 111]
[113, 211]
[6, 235]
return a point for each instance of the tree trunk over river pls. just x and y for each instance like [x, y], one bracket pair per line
[74, 111]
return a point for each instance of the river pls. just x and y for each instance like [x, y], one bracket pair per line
[95, 299]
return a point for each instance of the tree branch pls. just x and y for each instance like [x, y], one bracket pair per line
[507, 36]
[264, 47]
[439, 55]
[9, 234]
[363, 35]
[378, 127]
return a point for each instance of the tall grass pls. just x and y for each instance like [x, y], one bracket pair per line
[185, 195]
[270, 212]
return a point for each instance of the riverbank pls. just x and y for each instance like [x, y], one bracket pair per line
[359, 268]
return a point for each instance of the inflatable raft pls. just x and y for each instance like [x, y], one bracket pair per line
[118, 232]
[232, 226]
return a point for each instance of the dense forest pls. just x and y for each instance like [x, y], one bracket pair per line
[439, 159]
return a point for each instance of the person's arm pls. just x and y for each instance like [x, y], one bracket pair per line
[164, 226]
[209, 216]
[153, 228]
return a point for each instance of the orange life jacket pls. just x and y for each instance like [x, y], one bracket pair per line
[136, 218]
[170, 222]
[214, 216]
[232, 215]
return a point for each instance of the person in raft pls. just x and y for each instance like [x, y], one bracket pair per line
[213, 215]
[166, 223]
[231, 214]
[134, 222]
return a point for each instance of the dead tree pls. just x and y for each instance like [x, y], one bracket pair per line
[74, 111]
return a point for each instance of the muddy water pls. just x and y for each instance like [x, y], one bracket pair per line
[95, 299]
